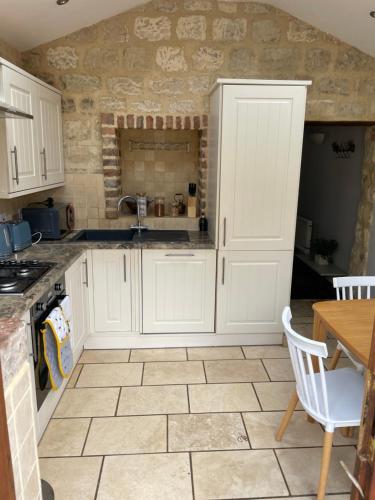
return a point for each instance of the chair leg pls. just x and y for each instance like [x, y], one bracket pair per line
[335, 359]
[287, 416]
[324, 468]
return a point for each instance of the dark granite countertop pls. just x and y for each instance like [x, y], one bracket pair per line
[63, 253]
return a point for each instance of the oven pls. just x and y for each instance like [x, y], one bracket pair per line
[38, 314]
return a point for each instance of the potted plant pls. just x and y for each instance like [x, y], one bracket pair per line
[323, 250]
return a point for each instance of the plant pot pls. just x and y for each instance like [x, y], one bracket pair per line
[320, 260]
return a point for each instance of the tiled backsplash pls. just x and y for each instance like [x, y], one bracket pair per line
[159, 162]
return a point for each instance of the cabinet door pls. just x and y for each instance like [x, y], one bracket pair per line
[50, 137]
[178, 290]
[23, 158]
[252, 290]
[77, 281]
[112, 290]
[262, 132]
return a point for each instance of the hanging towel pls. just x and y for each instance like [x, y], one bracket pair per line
[66, 307]
[57, 347]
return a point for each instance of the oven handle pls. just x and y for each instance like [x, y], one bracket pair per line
[34, 345]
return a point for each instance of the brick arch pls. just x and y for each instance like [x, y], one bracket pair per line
[112, 123]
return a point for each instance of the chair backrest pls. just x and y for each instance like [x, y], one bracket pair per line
[312, 390]
[354, 287]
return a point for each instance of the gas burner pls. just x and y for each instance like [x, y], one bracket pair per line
[7, 283]
[24, 271]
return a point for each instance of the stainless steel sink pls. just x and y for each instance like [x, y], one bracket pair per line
[103, 235]
[117, 235]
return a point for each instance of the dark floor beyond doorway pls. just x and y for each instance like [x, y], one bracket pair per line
[307, 284]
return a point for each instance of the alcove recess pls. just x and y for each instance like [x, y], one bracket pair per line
[157, 155]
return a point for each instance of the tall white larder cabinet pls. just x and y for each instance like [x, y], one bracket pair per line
[255, 144]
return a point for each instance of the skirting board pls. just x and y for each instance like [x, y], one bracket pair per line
[138, 341]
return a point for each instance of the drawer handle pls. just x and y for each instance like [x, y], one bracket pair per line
[14, 152]
[180, 255]
[125, 268]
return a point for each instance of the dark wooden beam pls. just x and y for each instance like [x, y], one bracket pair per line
[7, 491]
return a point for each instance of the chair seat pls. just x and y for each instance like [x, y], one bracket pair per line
[345, 388]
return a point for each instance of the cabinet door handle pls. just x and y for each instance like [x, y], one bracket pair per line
[224, 231]
[125, 268]
[180, 255]
[14, 152]
[43, 153]
[223, 272]
[86, 274]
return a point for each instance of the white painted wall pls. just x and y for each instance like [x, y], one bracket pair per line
[330, 187]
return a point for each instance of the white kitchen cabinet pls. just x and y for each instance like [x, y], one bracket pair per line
[178, 291]
[77, 281]
[31, 152]
[112, 290]
[50, 136]
[255, 147]
[262, 134]
[252, 289]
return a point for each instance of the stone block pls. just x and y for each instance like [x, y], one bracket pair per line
[225, 29]
[115, 31]
[202, 5]
[191, 28]
[171, 59]
[140, 122]
[334, 86]
[178, 122]
[159, 122]
[367, 87]
[169, 122]
[185, 106]
[99, 58]
[317, 59]
[87, 105]
[277, 58]
[137, 59]
[77, 130]
[352, 59]
[120, 122]
[62, 57]
[199, 84]
[266, 31]
[227, 7]
[68, 105]
[153, 29]
[149, 122]
[167, 6]
[130, 121]
[257, 8]
[83, 83]
[146, 106]
[241, 59]
[112, 103]
[301, 32]
[123, 85]
[208, 59]
[169, 86]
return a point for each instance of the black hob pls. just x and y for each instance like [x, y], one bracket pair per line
[17, 276]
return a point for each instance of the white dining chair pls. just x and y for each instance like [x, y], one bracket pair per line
[332, 398]
[351, 288]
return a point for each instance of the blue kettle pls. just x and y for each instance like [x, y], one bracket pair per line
[5, 241]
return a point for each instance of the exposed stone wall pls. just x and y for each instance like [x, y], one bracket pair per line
[161, 58]
[10, 53]
[358, 265]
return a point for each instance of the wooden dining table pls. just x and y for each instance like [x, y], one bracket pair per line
[349, 321]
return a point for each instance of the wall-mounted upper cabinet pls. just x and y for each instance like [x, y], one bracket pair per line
[31, 152]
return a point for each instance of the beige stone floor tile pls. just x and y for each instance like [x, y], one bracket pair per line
[246, 370]
[207, 398]
[90, 402]
[173, 354]
[301, 469]
[110, 375]
[279, 370]
[302, 308]
[340, 440]
[105, 356]
[213, 431]
[125, 435]
[74, 376]
[72, 478]
[215, 353]
[153, 399]
[174, 372]
[265, 351]
[64, 437]
[304, 329]
[237, 474]
[137, 477]
[261, 428]
[275, 395]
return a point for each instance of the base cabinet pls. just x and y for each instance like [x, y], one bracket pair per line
[178, 291]
[112, 291]
[77, 282]
[252, 289]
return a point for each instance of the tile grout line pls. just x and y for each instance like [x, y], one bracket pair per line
[118, 402]
[243, 352]
[188, 397]
[245, 428]
[167, 432]
[282, 472]
[143, 371]
[87, 435]
[265, 369]
[191, 475]
[256, 395]
[99, 478]
[204, 370]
